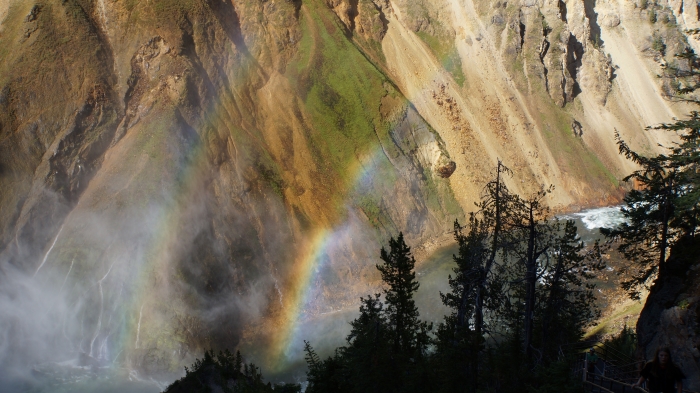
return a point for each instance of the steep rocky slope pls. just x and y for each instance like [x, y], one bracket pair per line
[190, 173]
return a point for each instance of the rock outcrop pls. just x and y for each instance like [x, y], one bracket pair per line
[671, 314]
[364, 17]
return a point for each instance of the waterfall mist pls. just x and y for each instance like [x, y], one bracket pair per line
[142, 290]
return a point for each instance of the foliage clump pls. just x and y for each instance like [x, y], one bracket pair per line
[663, 210]
[387, 348]
[226, 373]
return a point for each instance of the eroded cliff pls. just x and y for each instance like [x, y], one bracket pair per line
[193, 173]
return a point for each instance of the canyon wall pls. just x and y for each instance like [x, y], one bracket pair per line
[180, 174]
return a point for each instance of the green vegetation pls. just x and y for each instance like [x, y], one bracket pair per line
[658, 44]
[370, 207]
[342, 101]
[605, 324]
[268, 171]
[664, 210]
[569, 151]
[439, 196]
[446, 52]
[343, 105]
[227, 373]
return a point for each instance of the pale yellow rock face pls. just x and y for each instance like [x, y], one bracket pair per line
[604, 86]
[214, 171]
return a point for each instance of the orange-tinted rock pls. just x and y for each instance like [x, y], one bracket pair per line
[447, 170]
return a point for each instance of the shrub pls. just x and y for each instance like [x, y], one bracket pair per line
[658, 45]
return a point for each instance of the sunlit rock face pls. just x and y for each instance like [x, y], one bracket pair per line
[178, 175]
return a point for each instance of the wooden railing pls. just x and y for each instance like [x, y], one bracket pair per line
[609, 385]
[599, 383]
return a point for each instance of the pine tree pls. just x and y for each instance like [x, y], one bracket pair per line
[566, 298]
[408, 336]
[401, 311]
[367, 357]
[326, 376]
[535, 232]
[495, 208]
[314, 364]
[665, 206]
[458, 345]
[646, 235]
[470, 260]
[386, 350]
[238, 362]
[226, 373]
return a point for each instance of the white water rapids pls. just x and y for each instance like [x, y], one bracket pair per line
[602, 217]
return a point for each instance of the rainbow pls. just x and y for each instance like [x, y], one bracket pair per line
[307, 264]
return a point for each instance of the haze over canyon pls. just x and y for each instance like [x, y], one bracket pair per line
[177, 175]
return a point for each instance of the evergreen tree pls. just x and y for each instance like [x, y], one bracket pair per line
[458, 345]
[531, 225]
[495, 209]
[223, 373]
[511, 258]
[549, 287]
[665, 205]
[567, 299]
[314, 376]
[327, 376]
[387, 345]
[238, 362]
[646, 235]
[368, 356]
[408, 333]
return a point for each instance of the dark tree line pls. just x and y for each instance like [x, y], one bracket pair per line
[520, 289]
[521, 286]
[388, 344]
[228, 373]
